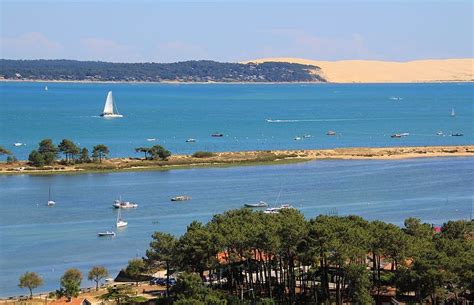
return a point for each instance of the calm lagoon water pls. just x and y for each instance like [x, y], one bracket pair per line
[46, 240]
[361, 114]
[50, 240]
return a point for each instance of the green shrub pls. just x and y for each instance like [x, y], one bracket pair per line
[203, 154]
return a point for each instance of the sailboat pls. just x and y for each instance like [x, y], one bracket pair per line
[110, 109]
[452, 112]
[50, 202]
[45, 88]
[120, 222]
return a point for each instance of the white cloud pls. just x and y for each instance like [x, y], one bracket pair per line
[31, 45]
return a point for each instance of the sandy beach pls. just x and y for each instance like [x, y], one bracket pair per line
[372, 71]
[245, 158]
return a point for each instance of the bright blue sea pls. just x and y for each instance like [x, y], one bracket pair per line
[362, 115]
[46, 240]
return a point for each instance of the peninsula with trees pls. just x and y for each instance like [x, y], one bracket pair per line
[204, 71]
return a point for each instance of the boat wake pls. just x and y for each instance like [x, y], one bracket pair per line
[326, 120]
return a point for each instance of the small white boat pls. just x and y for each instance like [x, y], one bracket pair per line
[151, 139]
[45, 88]
[297, 138]
[307, 136]
[106, 233]
[120, 222]
[331, 133]
[439, 133]
[190, 140]
[453, 114]
[278, 209]
[181, 198]
[50, 201]
[110, 109]
[18, 144]
[120, 204]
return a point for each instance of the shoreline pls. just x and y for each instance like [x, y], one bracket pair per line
[227, 83]
[242, 158]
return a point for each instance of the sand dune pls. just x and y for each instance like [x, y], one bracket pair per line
[371, 71]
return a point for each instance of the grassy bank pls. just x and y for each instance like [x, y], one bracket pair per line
[247, 158]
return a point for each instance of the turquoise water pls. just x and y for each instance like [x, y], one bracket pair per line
[50, 240]
[46, 240]
[361, 114]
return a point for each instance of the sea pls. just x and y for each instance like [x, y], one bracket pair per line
[49, 240]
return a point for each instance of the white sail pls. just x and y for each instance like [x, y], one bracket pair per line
[109, 104]
[109, 108]
[452, 112]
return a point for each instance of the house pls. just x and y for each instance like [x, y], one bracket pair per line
[73, 301]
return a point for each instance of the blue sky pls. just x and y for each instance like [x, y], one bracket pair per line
[168, 31]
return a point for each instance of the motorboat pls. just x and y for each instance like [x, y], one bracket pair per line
[457, 134]
[261, 204]
[106, 233]
[217, 135]
[120, 204]
[181, 198]
[331, 133]
[297, 138]
[190, 140]
[397, 135]
[277, 210]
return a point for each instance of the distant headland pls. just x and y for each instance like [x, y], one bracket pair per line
[266, 70]
[373, 71]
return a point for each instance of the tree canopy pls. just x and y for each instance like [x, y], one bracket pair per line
[30, 280]
[187, 71]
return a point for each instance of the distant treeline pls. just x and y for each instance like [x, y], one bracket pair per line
[187, 71]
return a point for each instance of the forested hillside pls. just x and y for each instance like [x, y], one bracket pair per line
[188, 71]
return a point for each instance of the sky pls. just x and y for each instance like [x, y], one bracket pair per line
[233, 31]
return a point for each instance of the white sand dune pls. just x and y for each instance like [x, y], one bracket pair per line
[371, 71]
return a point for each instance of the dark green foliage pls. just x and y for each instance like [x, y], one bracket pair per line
[190, 289]
[45, 155]
[159, 152]
[84, 157]
[11, 159]
[36, 159]
[328, 259]
[203, 154]
[120, 294]
[99, 152]
[71, 283]
[187, 71]
[136, 267]
[4, 151]
[69, 149]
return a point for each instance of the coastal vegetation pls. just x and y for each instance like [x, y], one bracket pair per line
[203, 154]
[156, 152]
[244, 255]
[292, 260]
[96, 274]
[70, 284]
[30, 280]
[186, 71]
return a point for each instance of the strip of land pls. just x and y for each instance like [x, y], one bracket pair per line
[227, 159]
